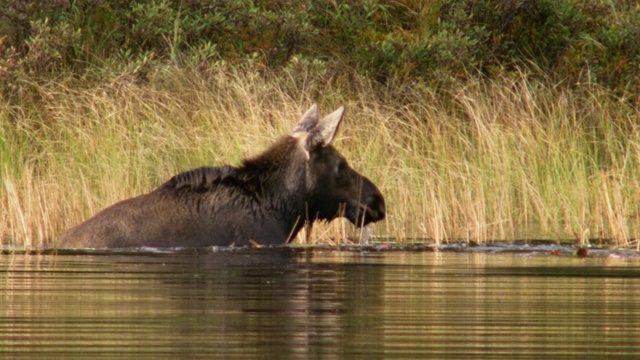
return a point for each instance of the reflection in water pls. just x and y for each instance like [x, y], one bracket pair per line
[302, 304]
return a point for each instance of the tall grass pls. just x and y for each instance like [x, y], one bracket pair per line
[515, 158]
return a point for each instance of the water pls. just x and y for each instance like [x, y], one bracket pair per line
[302, 304]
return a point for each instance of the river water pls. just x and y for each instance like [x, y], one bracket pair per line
[316, 304]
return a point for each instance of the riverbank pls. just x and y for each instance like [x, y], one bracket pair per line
[512, 158]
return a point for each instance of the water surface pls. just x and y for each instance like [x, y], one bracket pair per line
[287, 303]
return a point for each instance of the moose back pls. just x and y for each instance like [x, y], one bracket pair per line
[267, 200]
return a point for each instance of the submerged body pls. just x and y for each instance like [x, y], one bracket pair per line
[267, 200]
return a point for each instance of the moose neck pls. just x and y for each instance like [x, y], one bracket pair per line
[277, 177]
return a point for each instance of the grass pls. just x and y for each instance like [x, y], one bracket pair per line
[510, 159]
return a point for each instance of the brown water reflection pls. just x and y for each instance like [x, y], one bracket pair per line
[319, 304]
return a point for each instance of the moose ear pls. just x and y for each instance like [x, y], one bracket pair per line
[325, 130]
[307, 122]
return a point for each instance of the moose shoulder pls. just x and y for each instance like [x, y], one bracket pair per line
[300, 178]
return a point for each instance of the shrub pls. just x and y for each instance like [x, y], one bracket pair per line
[403, 41]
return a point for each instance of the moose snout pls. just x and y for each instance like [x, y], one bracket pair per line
[376, 207]
[373, 208]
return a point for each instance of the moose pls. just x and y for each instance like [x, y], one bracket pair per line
[267, 200]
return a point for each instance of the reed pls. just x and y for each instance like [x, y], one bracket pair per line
[514, 158]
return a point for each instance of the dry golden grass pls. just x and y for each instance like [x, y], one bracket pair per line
[510, 159]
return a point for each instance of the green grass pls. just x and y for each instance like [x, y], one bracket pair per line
[513, 158]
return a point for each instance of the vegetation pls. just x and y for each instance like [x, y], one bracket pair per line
[480, 120]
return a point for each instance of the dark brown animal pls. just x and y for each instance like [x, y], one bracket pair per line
[301, 178]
